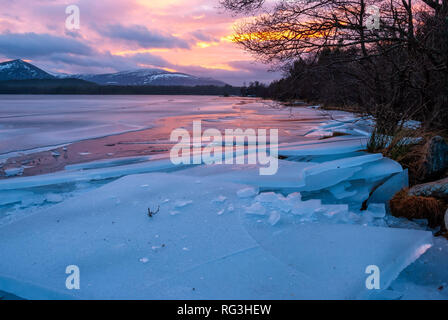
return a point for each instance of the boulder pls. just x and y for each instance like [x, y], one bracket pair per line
[446, 219]
[436, 189]
[435, 160]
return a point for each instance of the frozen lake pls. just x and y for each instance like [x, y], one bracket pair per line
[28, 122]
[80, 175]
[88, 128]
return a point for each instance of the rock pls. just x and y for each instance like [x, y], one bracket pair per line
[436, 158]
[423, 201]
[437, 189]
[446, 219]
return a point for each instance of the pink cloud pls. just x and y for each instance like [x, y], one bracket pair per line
[175, 34]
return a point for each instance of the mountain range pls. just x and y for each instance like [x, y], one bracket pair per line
[21, 70]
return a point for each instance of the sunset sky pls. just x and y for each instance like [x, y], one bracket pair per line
[191, 36]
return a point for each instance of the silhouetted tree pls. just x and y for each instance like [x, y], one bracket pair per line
[395, 72]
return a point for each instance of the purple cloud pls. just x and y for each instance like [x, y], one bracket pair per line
[143, 37]
[31, 45]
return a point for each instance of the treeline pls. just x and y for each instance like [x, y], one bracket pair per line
[256, 89]
[391, 87]
[76, 86]
[394, 69]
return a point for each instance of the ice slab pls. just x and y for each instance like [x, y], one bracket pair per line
[331, 173]
[14, 172]
[324, 147]
[107, 231]
[341, 164]
[328, 178]
[339, 254]
[378, 169]
[288, 176]
[123, 253]
[107, 163]
[340, 191]
[78, 175]
[346, 126]
[388, 189]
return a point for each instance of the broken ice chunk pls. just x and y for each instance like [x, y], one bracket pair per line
[333, 210]
[306, 207]
[144, 260]
[338, 254]
[361, 194]
[274, 217]
[296, 196]
[219, 199]
[378, 169]
[267, 197]
[12, 172]
[378, 210]
[388, 189]
[341, 164]
[274, 200]
[256, 208]
[328, 178]
[332, 148]
[339, 191]
[246, 193]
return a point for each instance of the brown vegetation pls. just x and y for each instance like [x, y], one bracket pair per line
[416, 207]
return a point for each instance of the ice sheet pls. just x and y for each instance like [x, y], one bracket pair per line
[288, 176]
[339, 254]
[230, 242]
[122, 253]
[339, 146]
[87, 175]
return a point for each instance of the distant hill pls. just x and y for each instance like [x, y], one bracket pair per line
[21, 70]
[148, 77]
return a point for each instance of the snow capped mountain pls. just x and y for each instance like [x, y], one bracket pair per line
[21, 70]
[153, 77]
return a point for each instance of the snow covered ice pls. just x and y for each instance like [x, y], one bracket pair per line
[224, 230]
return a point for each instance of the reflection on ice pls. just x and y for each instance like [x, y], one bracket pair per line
[224, 230]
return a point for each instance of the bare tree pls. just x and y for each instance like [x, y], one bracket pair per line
[398, 70]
